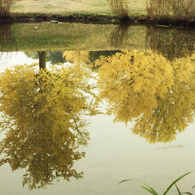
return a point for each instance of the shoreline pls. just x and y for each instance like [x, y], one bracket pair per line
[96, 19]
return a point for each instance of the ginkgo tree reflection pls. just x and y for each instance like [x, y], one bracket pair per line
[77, 57]
[42, 117]
[145, 87]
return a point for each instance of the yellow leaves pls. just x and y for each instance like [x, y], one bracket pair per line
[57, 92]
[77, 57]
[46, 110]
[156, 93]
[184, 68]
[136, 78]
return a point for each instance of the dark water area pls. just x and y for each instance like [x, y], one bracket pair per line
[84, 107]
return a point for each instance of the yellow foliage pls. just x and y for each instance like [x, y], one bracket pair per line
[77, 57]
[147, 88]
[42, 119]
[131, 81]
[176, 110]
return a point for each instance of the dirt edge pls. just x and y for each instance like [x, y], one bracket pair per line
[96, 19]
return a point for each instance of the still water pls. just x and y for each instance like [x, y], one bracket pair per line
[99, 120]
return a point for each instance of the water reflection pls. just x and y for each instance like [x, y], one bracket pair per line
[155, 93]
[119, 36]
[42, 119]
[41, 136]
[77, 57]
[6, 38]
[171, 43]
[52, 57]
[86, 57]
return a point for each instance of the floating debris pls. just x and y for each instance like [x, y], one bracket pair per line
[168, 147]
[53, 21]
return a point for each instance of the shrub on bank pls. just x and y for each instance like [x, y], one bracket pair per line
[178, 9]
[120, 8]
[5, 7]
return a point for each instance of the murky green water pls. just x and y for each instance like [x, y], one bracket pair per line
[96, 120]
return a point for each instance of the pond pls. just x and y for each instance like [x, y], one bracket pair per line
[84, 107]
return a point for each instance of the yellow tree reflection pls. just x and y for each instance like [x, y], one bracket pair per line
[130, 81]
[42, 119]
[158, 95]
[77, 57]
[176, 110]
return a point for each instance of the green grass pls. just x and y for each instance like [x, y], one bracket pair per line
[136, 8]
[65, 36]
[67, 7]
[93, 37]
[16, 7]
[152, 191]
[100, 5]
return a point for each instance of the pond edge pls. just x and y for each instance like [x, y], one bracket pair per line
[96, 19]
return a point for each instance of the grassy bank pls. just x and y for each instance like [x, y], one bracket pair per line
[69, 36]
[88, 11]
[70, 7]
[99, 12]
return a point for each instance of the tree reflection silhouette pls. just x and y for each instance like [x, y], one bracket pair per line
[171, 43]
[42, 59]
[119, 36]
[77, 57]
[6, 38]
[144, 87]
[54, 57]
[42, 118]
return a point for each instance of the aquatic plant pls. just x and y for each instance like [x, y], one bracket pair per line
[152, 191]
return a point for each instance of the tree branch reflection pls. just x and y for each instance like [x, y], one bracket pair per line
[155, 93]
[6, 38]
[43, 121]
[171, 43]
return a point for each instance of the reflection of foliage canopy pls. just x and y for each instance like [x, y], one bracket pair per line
[131, 80]
[171, 43]
[77, 57]
[86, 57]
[6, 38]
[54, 57]
[176, 110]
[149, 89]
[42, 120]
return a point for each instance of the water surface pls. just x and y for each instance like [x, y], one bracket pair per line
[116, 150]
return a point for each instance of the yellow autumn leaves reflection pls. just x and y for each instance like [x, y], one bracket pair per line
[42, 112]
[155, 93]
[42, 119]
[130, 82]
